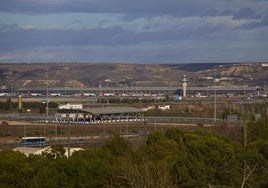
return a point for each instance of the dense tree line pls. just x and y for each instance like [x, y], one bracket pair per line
[175, 158]
[7, 105]
[41, 107]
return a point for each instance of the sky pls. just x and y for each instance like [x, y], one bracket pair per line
[134, 31]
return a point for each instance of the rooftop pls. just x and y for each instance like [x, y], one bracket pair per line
[104, 110]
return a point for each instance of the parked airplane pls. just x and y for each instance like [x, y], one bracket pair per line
[4, 94]
[124, 95]
[107, 94]
[34, 94]
[88, 94]
[137, 94]
[55, 94]
[199, 95]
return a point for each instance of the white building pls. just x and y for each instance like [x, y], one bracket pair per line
[71, 106]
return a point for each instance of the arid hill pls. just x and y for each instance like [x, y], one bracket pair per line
[81, 75]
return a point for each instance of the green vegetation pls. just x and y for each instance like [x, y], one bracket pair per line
[41, 107]
[175, 158]
[8, 105]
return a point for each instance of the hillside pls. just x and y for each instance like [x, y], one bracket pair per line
[81, 75]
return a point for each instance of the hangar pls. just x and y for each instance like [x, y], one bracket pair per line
[100, 114]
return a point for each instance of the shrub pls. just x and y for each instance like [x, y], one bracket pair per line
[4, 123]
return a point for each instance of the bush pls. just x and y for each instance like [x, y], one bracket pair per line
[200, 124]
[4, 123]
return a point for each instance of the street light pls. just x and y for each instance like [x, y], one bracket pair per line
[47, 96]
[69, 138]
[215, 107]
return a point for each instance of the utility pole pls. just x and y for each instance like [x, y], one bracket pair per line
[245, 127]
[245, 137]
[47, 95]
[46, 109]
[215, 107]
[69, 137]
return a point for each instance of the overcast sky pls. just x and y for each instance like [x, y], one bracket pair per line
[134, 31]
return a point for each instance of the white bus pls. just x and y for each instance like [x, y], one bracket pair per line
[33, 141]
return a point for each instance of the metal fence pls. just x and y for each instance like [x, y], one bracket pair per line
[190, 120]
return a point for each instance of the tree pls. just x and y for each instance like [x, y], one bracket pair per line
[90, 168]
[250, 167]
[42, 109]
[159, 147]
[258, 129]
[8, 104]
[14, 169]
[145, 173]
[54, 152]
[117, 145]
[206, 160]
[49, 173]
[255, 165]
[154, 161]
[174, 134]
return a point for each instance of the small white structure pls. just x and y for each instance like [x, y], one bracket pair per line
[149, 108]
[38, 151]
[71, 106]
[71, 116]
[164, 108]
[264, 64]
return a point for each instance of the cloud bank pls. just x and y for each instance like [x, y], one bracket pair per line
[151, 31]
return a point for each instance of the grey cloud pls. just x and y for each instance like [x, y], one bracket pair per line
[139, 8]
[16, 38]
[130, 8]
[27, 38]
[202, 39]
[244, 13]
[255, 24]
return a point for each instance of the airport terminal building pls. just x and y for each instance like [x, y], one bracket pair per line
[99, 114]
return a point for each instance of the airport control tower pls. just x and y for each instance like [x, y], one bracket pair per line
[184, 85]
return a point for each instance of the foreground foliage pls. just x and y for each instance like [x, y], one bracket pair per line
[170, 159]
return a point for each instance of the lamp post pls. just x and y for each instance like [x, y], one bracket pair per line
[245, 128]
[47, 96]
[215, 107]
[68, 133]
